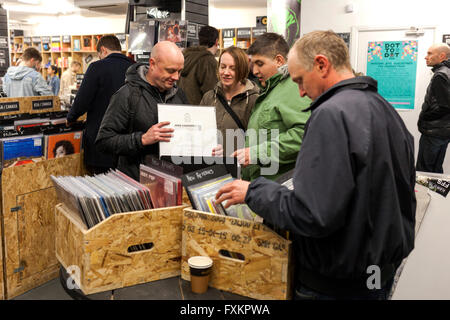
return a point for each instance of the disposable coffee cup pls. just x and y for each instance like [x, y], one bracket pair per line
[200, 267]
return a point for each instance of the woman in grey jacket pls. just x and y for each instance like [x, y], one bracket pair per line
[234, 97]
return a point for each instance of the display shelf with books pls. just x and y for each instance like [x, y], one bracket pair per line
[61, 50]
[240, 37]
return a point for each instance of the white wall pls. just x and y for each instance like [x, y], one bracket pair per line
[77, 25]
[227, 17]
[330, 14]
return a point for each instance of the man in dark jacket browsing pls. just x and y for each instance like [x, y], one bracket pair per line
[200, 67]
[434, 119]
[352, 207]
[101, 80]
[130, 128]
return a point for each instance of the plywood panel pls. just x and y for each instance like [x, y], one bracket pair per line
[101, 253]
[28, 201]
[2, 294]
[26, 104]
[265, 271]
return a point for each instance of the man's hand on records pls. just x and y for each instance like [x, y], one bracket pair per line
[233, 193]
[217, 151]
[243, 156]
[157, 134]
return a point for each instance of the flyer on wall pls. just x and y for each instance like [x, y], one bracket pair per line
[393, 64]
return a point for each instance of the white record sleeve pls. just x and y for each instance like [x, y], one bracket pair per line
[195, 130]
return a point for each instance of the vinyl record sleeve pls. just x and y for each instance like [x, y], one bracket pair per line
[195, 130]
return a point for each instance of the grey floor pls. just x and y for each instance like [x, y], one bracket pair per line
[167, 289]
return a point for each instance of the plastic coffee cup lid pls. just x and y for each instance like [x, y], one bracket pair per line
[200, 262]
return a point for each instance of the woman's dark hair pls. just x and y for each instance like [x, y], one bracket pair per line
[56, 70]
[67, 145]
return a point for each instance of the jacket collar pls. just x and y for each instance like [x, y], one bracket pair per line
[360, 83]
[445, 63]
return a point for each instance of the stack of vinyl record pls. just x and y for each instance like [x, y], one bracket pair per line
[96, 198]
[202, 186]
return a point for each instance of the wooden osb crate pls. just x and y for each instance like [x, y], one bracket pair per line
[2, 294]
[265, 273]
[28, 202]
[37, 104]
[98, 257]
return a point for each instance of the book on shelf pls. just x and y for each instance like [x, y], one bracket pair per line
[76, 45]
[202, 187]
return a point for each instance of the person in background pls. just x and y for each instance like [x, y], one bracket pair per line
[200, 66]
[278, 107]
[25, 79]
[434, 119]
[130, 128]
[68, 81]
[53, 79]
[352, 207]
[101, 80]
[234, 97]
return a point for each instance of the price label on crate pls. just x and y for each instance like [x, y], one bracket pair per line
[9, 106]
[66, 39]
[42, 104]
[238, 231]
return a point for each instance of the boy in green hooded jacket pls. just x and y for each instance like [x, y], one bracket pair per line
[277, 123]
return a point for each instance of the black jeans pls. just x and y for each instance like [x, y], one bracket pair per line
[304, 293]
[431, 154]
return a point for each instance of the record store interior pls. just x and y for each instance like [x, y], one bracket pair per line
[224, 150]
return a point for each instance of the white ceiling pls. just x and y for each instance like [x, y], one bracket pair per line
[22, 13]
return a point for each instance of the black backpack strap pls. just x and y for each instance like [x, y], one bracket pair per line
[230, 111]
[133, 100]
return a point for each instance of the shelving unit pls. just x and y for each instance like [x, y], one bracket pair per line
[239, 37]
[62, 50]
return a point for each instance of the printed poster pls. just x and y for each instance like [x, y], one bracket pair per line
[393, 64]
